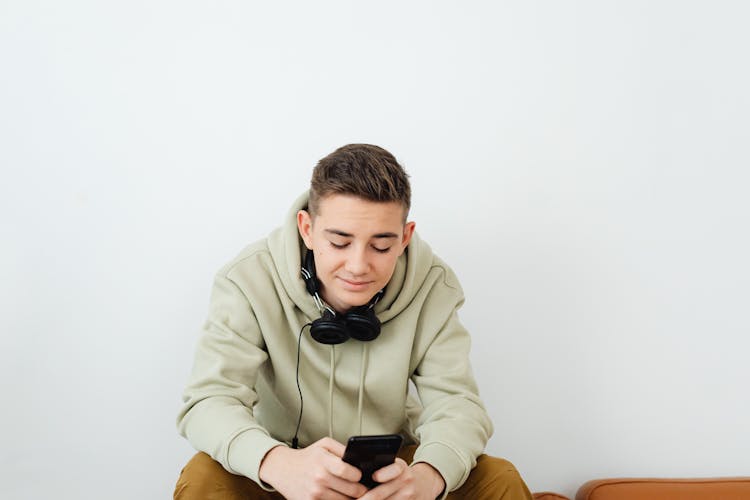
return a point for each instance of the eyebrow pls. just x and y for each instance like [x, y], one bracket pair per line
[348, 235]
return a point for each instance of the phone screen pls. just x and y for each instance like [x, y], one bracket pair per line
[370, 453]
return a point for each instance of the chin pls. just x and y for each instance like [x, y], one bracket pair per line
[355, 299]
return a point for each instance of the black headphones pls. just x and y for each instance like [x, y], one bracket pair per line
[359, 323]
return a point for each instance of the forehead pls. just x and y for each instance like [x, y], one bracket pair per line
[351, 212]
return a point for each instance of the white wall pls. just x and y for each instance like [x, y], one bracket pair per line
[582, 165]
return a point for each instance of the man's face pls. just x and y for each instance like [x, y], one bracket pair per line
[356, 244]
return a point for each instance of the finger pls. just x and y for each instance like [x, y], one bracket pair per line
[393, 479]
[349, 488]
[331, 445]
[334, 495]
[325, 483]
[390, 472]
[339, 468]
[380, 492]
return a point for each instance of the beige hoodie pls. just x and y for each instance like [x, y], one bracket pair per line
[242, 397]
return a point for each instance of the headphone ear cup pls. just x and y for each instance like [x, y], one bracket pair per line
[362, 324]
[329, 330]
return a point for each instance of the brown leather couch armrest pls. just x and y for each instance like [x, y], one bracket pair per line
[724, 488]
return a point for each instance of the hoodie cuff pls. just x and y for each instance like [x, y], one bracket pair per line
[447, 462]
[246, 452]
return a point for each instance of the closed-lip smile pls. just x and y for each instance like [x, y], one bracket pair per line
[354, 283]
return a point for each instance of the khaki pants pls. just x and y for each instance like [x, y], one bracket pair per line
[205, 479]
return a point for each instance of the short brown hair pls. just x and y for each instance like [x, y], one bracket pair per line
[363, 170]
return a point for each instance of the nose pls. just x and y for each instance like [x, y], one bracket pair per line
[356, 263]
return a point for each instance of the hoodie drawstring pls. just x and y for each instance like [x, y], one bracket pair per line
[360, 394]
[360, 397]
[331, 377]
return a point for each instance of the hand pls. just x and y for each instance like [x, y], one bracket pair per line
[399, 481]
[315, 472]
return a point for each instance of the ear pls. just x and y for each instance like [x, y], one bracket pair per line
[408, 232]
[304, 226]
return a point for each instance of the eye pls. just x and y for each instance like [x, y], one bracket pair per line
[382, 250]
[334, 245]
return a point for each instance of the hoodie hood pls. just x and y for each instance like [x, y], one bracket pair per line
[288, 250]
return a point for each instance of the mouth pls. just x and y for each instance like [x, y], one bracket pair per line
[354, 285]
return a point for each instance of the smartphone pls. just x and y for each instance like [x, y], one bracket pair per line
[370, 453]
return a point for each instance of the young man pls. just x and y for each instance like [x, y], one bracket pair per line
[347, 261]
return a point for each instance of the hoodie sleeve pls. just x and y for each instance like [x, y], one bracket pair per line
[217, 415]
[454, 426]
